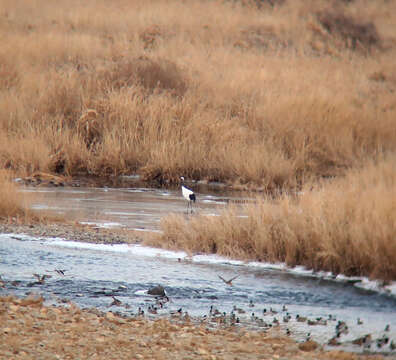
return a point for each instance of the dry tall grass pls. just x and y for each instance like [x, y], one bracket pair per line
[13, 205]
[346, 226]
[271, 95]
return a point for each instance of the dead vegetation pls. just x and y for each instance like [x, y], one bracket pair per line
[13, 206]
[351, 34]
[346, 226]
[261, 93]
[276, 95]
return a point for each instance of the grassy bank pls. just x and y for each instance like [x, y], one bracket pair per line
[346, 226]
[272, 96]
[13, 205]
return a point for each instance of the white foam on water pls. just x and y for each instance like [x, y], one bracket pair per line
[103, 225]
[21, 237]
[147, 230]
[120, 213]
[136, 190]
[43, 207]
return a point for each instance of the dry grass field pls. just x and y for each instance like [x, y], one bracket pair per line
[278, 95]
[268, 95]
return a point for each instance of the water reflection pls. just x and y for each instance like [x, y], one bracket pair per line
[132, 208]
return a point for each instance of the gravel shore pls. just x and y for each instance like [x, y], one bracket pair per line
[30, 330]
[75, 232]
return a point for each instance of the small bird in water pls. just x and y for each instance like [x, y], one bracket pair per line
[333, 341]
[364, 340]
[239, 310]
[301, 318]
[214, 311]
[140, 311]
[359, 321]
[116, 302]
[152, 309]
[228, 282]
[382, 341]
[341, 328]
[331, 318]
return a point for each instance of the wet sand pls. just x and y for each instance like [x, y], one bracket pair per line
[28, 329]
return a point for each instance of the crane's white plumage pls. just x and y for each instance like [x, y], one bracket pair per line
[187, 194]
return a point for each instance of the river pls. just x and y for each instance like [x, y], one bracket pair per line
[95, 273]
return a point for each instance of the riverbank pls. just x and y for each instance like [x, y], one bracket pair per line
[343, 226]
[77, 235]
[29, 329]
[74, 232]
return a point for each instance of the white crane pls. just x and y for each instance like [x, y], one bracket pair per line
[187, 194]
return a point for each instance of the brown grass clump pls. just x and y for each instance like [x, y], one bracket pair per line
[262, 95]
[344, 226]
[152, 75]
[350, 33]
[12, 203]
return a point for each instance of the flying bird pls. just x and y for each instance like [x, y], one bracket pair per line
[41, 278]
[60, 271]
[188, 194]
[228, 282]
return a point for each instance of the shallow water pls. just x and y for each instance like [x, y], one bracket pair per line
[132, 208]
[95, 273]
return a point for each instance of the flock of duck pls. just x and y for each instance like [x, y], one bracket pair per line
[266, 318]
